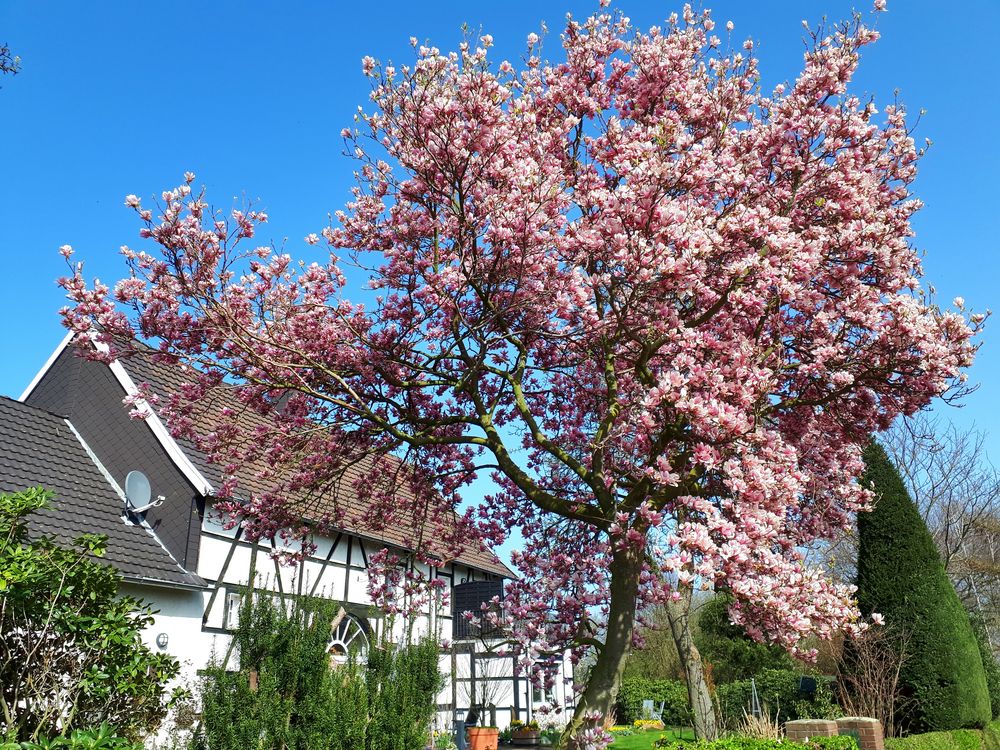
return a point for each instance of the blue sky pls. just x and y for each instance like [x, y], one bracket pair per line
[123, 98]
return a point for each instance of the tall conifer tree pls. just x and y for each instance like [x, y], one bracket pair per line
[900, 575]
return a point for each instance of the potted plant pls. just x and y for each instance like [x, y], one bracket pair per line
[483, 738]
[524, 734]
[480, 738]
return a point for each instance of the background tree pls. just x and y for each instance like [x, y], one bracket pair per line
[10, 64]
[729, 652]
[900, 575]
[727, 647]
[71, 656]
[665, 309]
[957, 490]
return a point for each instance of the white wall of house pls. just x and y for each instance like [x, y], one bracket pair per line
[178, 616]
[197, 624]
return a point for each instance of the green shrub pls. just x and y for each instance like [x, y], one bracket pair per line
[991, 736]
[778, 690]
[300, 703]
[840, 742]
[402, 685]
[900, 575]
[71, 651]
[728, 743]
[957, 739]
[634, 690]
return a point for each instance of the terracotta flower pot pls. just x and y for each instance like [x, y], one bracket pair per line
[483, 738]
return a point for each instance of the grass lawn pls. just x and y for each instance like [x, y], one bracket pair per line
[645, 740]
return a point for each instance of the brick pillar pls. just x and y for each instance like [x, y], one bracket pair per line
[868, 732]
[804, 729]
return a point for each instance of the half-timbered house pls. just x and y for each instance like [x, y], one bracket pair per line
[70, 432]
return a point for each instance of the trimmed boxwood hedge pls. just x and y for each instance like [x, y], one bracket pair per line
[751, 743]
[958, 739]
[900, 575]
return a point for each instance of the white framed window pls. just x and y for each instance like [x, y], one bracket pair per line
[348, 637]
[231, 611]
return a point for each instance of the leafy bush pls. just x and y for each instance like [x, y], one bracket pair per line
[300, 703]
[900, 575]
[778, 689]
[102, 738]
[635, 690]
[402, 686]
[620, 730]
[71, 655]
[842, 742]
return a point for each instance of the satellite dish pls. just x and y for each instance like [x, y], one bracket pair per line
[138, 492]
[137, 489]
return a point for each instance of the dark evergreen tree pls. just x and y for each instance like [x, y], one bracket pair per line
[990, 664]
[900, 575]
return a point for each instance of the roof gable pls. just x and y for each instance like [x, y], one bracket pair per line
[165, 380]
[38, 448]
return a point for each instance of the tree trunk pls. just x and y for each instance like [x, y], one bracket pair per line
[679, 615]
[597, 701]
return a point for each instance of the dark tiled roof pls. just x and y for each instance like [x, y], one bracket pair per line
[165, 379]
[38, 448]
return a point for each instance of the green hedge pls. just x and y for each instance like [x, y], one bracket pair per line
[634, 690]
[778, 690]
[957, 739]
[750, 743]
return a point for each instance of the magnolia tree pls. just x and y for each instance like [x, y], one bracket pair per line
[663, 308]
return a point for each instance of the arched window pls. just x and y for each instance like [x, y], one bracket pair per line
[348, 637]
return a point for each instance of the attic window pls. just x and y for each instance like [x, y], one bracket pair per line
[347, 637]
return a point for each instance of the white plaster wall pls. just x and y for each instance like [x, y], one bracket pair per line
[194, 643]
[179, 618]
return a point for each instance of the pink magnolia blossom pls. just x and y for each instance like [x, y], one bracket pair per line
[663, 308]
